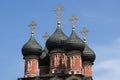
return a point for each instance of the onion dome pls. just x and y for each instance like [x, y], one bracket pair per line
[88, 54]
[44, 58]
[32, 47]
[57, 39]
[74, 42]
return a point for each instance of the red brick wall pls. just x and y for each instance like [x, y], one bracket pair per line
[58, 61]
[77, 62]
[87, 69]
[74, 62]
[31, 67]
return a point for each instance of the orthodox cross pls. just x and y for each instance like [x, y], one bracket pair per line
[84, 33]
[58, 9]
[32, 25]
[72, 19]
[46, 36]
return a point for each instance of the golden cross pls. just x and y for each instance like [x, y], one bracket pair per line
[32, 25]
[58, 9]
[72, 19]
[46, 36]
[84, 32]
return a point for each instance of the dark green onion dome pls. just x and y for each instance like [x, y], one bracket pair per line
[74, 43]
[44, 58]
[56, 40]
[88, 54]
[31, 48]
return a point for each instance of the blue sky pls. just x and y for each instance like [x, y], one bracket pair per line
[101, 17]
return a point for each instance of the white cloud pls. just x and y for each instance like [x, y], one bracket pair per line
[107, 64]
[111, 50]
[107, 70]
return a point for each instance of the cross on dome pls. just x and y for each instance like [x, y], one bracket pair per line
[84, 33]
[73, 19]
[46, 36]
[32, 25]
[58, 9]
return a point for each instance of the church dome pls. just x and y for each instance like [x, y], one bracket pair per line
[74, 43]
[56, 40]
[44, 58]
[88, 54]
[31, 48]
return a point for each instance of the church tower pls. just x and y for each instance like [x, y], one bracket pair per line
[74, 47]
[55, 45]
[63, 58]
[88, 57]
[31, 52]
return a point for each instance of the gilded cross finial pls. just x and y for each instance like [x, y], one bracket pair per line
[32, 25]
[73, 19]
[46, 36]
[84, 33]
[58, 9]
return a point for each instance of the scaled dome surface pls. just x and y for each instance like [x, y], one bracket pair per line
[32, 47]
[56, 40]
